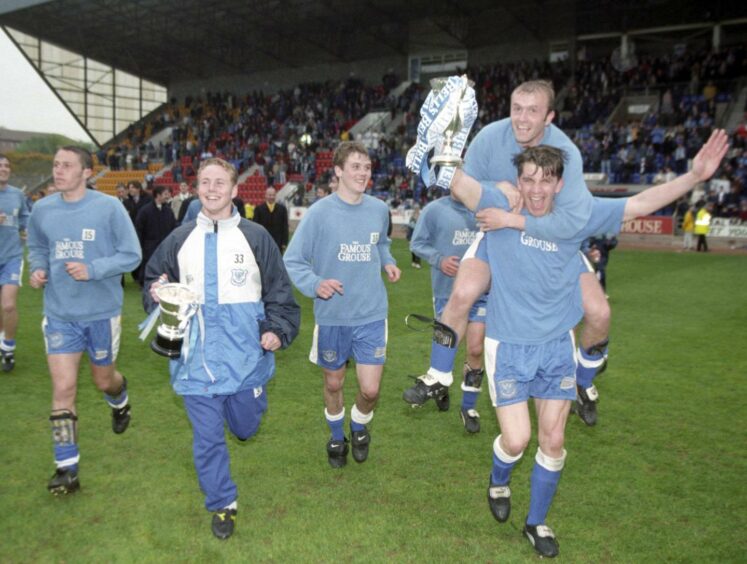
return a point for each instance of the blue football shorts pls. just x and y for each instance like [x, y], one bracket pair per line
[332, 345]
[519, 372]
[100, 338]
[11, 272]
[476, 314]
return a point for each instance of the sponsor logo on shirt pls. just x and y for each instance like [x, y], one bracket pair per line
[67, 249]
[541, 244]
[355, 251]
[463, 237]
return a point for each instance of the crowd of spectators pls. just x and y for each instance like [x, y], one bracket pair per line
[282, 133]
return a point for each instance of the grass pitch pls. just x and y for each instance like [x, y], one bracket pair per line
[661, 477]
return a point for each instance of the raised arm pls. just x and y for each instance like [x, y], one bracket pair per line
[466, 189]
[705, 164]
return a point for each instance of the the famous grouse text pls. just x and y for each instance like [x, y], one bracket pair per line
[541, 244]
[67, 249]
[355, 252]
[463, 237]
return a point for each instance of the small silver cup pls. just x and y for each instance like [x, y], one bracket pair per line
[177, 304]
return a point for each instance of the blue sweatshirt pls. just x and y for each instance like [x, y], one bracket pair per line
[489, 158]
[348, 243]
[96, 231]
[13, 205]
[445, 228]
[534, 293]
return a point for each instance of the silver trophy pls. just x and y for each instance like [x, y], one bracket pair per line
[177, 304]
[449, 156]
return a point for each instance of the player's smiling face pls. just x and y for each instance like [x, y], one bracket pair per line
[538, 189]
[529, 117]
[216, 192]
[354, 174]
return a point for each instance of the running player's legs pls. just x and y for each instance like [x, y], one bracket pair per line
[597, 311]
[472, 281]
[592, 352]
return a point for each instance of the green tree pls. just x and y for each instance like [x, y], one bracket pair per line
[48, 143]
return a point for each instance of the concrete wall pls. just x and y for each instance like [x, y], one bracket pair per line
[370, 71]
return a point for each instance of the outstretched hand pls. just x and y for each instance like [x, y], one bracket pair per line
[709, 157]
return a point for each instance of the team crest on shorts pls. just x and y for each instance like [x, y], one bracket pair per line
[56, 340]
[88, 235]
[507, 388]
[568, 382]
[101, 355]
[380, 352]
[374, 238]
[329, 356]
[238, 276]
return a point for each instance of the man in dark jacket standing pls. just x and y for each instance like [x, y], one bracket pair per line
[153, 223]
[273, 216]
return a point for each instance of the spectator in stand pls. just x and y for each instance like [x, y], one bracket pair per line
[273, 216]
[703, 224]
[321, 191]
[240, 206]
[186, 204]
[138, 198]
[153, 223]
[123, 197]
[178, 200]
[688, 226]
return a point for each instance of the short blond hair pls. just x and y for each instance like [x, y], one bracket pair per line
[543, 86]
[225, 165]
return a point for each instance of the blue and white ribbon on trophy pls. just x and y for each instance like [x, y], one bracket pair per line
[456, 97]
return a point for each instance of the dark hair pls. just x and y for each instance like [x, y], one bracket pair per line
[3, 157]
[136, 183]
[549, 159]
[345, 149]
[84, 155]
[159, 189]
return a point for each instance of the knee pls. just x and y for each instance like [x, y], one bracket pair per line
[461, 299]
[474, 348]
[597, 311]
[513, 444]
[9, 308]
[370, 392]
[248, 431]
[552, 442]
[333, 385]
